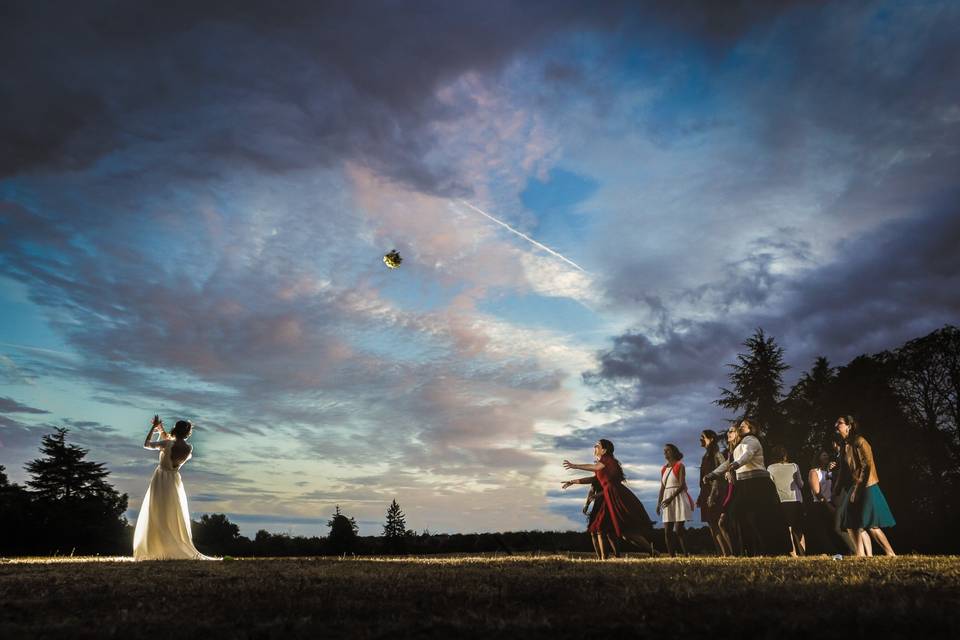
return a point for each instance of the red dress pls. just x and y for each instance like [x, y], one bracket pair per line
[621, 513]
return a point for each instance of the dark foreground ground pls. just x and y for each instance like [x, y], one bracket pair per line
[551, 596]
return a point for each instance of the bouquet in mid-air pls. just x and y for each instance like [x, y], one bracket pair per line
[392, 259]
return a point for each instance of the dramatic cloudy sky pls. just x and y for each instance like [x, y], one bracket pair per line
[195, 199]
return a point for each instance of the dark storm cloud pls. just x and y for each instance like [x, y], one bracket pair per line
[879, 81]
[896, 283]
[866, 90]
[720, 24]
[884, 288]
[682, 357]
[305, 84]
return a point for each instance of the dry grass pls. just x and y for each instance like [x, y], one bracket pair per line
[543, 596]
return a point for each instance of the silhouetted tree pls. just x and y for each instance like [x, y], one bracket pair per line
[757, 384]
[395, 529]
[863, 388]
[343, 533]
[77, 509]
[15, 509]
[925, 375]
[214, 533]
[808, 416]
[927, 381]
[64, 474]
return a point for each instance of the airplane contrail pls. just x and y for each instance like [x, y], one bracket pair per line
[524, 236]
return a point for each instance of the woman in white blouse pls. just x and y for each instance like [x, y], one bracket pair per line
[786, 477]
[756, 505]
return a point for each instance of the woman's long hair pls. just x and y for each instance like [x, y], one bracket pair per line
[854, 427]
[608, 446]
[712, 445]
[754, 430]
[182, 429]
[730, 446]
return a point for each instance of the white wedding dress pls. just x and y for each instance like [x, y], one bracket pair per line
[163, 525]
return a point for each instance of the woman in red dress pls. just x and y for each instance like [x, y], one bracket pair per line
[621, 516]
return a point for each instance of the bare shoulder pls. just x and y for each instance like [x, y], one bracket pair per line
[181, 450]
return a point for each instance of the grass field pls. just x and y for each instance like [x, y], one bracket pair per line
[545, 596]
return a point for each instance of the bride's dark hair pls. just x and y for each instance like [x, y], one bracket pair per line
[182, 429]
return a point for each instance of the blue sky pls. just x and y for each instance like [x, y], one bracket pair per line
[194, 204]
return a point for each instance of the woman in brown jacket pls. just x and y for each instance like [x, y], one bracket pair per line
[863, 506]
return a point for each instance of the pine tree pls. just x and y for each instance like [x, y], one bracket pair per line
[809, 416]
[757, 380]
[76, 508]
[395, 529]
[64, 474]
[343, 533]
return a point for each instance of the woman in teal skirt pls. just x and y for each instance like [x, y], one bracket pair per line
[863, 506]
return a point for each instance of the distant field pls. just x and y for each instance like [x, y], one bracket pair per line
[516, 597]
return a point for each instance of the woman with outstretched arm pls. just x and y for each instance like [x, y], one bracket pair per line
[621, 516]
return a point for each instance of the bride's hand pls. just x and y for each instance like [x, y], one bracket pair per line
[567, 464]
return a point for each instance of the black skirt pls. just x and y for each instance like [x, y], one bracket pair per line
[793, 514]
[756, 507]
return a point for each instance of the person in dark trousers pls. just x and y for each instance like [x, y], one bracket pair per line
[756, 506]
[789, 482]
[712, 492]
[820, 512]
[729, 529]
[841, 483]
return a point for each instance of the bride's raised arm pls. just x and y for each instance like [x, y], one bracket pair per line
[155, 427]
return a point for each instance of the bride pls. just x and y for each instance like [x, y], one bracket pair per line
[163, 525]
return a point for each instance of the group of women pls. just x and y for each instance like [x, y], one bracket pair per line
[749, 507]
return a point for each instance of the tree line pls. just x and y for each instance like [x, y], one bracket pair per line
[907, 402]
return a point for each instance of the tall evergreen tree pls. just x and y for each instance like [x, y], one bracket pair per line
[395, 529]
[808, 416]
[64, 474]
[757, 385]
[77, 509]
[343, 533]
